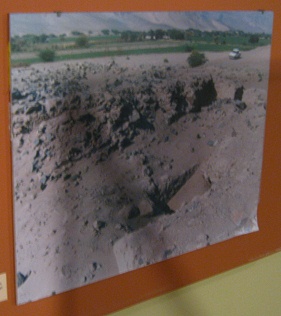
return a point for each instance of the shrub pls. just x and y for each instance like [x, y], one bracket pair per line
[196, 59]
[254, 39]
[82, 41]
[47, 55]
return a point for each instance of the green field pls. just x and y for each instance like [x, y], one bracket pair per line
[26, 49]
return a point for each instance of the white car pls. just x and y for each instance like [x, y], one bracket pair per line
[235, 54]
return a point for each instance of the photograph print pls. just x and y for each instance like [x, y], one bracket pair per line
[136, 137]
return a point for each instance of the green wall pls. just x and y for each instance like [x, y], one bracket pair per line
[251, 290]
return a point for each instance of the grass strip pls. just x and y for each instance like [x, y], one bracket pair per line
[126, 52]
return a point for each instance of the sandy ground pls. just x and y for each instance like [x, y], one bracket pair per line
[114, 170]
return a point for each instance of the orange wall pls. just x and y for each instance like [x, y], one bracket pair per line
[130, 288]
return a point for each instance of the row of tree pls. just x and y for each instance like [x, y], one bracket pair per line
[22, 43]
[218, 37]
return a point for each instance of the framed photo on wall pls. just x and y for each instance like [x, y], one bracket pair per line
[137, 137]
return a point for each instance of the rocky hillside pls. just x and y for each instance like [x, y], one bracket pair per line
[247, 21]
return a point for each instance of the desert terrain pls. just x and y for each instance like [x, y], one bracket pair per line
[123, 162]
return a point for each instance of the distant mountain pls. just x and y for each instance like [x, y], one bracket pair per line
[52, 23]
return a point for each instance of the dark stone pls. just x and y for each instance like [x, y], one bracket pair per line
[66, 177]
[36, 165]
[160, 207]
[21, 278]
[96, 265]
[38, 142]
[86, 119]
[158, 202]
[43, 182]
[98, 225]
[75, 154]
[205, 93]
[25, 129]
[17, 95]
[167, 253]
[240, 105]
[166, 139]
[238, 95]
[134, 212]
[38, 107]
[87, 139]
[44, 179]
[125, 142]
[178, 102]
[143, 124]
[76, 102]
